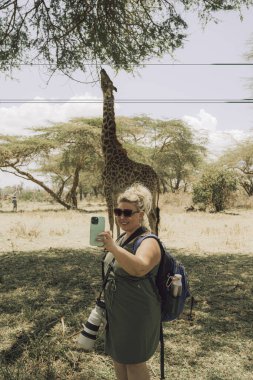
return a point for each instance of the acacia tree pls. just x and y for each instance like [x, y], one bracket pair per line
[64, 149]
[135, 130]
[240, 160]
[66, 34]
[178, 152]
[58, 176]
[80, 149]
[17, 153]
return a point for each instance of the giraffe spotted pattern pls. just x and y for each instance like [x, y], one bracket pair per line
[120, 172]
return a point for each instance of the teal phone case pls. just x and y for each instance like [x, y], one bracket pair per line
[97, 225]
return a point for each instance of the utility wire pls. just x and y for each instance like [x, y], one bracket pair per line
[152, 64]
[124, 101]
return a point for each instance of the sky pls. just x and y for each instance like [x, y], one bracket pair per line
[188, 75]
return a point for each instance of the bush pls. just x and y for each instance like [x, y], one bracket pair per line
[33, 195]
[215, 188]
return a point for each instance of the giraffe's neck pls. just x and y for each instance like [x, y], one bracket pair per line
[110, 143]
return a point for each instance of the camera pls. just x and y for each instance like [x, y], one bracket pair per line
[88, 335]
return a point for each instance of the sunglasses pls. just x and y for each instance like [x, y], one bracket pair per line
[126, 212]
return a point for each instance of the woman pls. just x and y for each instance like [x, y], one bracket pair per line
[132, 306]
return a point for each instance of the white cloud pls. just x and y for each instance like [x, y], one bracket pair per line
[16, 119]
[203, 121]
[218, 140]
[238, 135]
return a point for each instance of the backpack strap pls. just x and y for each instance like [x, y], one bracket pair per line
[139, 240]
[190, 317]
[105, 277]
[104, 256]
[161, 352]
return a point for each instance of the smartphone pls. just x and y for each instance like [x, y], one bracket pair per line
[97, 225]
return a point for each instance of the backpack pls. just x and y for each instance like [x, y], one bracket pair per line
[171, 307]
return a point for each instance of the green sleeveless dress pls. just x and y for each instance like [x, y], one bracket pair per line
[133, 316]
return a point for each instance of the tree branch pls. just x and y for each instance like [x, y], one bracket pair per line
[29, 177]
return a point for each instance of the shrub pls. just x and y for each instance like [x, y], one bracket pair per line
[33, 195]
[215, 188]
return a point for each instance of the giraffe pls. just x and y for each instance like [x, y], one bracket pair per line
[120, 171]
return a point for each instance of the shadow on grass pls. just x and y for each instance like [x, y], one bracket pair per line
[223, 288]
[42, 291]
[39, 289]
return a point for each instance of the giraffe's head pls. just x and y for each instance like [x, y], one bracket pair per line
[106, 84]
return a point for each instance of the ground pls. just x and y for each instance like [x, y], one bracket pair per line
[41, 226]
[50, 278]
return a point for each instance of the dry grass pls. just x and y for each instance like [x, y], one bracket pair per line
[51, 226]
[49, 280]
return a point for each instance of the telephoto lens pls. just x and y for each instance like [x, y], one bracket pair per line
[88, 335]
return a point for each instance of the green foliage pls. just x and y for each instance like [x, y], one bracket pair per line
[69, 154]
[178, 152]
[22, 149]
[32, 195]
[58, 152]
[240, 160]
[68, 34]
[215, 188]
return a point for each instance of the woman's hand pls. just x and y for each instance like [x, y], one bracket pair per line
[108, 241]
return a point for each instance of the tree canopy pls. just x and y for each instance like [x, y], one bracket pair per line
[57, 153]
[68, 34]
[179, 151]
[240, 160]
[68, 156]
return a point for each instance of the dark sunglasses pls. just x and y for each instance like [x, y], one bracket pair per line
[126, 212]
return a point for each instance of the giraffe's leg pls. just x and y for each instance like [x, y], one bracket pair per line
[152, 221]
[116, 222]
[109, 202]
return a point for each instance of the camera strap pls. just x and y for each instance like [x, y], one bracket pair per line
[134, 235]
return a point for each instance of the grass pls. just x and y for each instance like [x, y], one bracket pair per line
[20, 230]
[47, 295]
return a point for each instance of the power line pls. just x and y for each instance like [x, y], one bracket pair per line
[150, 64]
[123, 101]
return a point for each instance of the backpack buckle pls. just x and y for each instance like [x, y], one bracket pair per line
[169, 281]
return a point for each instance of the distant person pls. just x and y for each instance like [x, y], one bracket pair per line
[14, 203]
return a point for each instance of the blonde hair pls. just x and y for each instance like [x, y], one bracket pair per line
[138, 194]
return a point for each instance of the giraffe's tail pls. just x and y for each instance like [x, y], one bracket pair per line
[157, 209]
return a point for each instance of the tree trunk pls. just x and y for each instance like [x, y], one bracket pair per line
[248, 187]
[61, 188]
[164, 186]
[95, 191]
[80, 191]
[72, 193]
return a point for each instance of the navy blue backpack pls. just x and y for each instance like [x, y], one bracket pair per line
[168, 267]
[171, 307]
